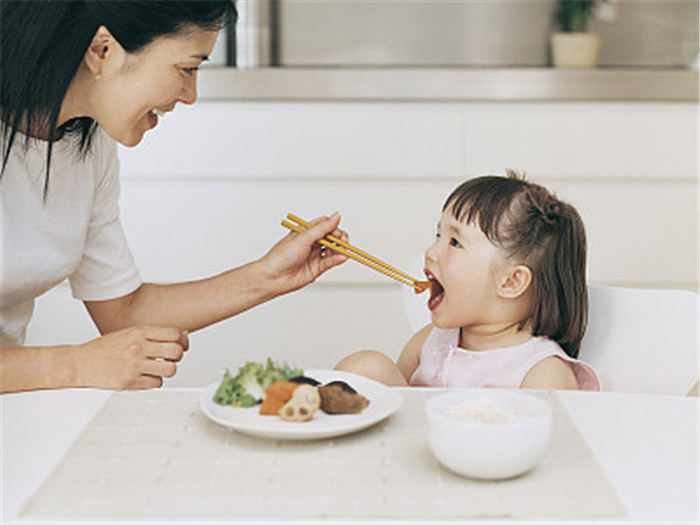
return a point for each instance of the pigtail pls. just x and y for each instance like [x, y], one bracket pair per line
[555, 245]
[551, 214]
[563, 297]
[570, 265]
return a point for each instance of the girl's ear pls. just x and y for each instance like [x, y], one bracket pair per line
[515, 282]
[99, 51]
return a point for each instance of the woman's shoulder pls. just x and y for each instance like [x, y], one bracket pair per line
[102, 143]
[102, 158]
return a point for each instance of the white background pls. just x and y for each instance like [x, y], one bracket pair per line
[208, 188]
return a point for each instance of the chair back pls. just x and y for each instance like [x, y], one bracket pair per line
[642, 340]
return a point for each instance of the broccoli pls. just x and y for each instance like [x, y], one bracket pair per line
[247, 388]
[250, 385]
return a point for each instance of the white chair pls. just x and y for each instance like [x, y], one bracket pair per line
[641, 340]
[638, 340]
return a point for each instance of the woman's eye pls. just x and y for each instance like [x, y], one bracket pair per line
[190, 70]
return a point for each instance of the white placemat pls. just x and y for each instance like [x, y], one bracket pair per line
[154, 455]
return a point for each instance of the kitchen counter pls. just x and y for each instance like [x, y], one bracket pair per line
[448, 84]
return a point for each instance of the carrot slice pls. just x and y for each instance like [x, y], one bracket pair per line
[276, 396]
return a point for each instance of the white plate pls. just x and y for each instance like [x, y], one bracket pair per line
[383, 402]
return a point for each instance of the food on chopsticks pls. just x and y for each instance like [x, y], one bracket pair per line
[247, 387]
[347, 249]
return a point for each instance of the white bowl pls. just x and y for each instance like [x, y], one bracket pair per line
[488, 433]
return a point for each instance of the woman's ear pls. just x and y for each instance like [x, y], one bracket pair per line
[99, 51]
[515, 282]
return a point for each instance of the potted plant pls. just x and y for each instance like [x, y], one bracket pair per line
[573, 46]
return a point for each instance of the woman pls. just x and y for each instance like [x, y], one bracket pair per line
[76, 76]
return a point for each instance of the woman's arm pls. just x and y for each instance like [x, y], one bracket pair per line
[138, 357]
[147, 329]
[292, 263]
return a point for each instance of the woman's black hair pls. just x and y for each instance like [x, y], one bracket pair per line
[42, 44]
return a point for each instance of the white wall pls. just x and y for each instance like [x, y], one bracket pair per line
[207, 189]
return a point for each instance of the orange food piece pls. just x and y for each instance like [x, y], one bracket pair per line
[276, 396]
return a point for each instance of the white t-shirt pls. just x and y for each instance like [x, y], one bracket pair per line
[74, 233]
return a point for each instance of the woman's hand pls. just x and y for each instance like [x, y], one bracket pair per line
[136, 357]
[132, 358]
[298, 259]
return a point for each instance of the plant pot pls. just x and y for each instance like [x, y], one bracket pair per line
[575, 50]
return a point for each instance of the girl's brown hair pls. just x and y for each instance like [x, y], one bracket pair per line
[536, 228]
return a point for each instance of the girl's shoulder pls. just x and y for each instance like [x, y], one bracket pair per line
[553, 368]
[418, 339]
[552, 372]
[409, 359]
[429, 338]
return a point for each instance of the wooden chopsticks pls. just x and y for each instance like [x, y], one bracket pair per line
[347, 249]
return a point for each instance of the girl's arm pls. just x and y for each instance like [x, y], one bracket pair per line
[551, 373]
[410, 356]
[292, 263]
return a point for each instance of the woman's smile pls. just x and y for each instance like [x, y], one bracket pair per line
[156, 114]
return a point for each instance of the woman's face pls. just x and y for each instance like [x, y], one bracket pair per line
[464, 266]
[134, 90]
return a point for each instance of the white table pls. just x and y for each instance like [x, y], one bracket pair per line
[647, 445]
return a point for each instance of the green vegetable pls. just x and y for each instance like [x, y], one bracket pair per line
[247, 388]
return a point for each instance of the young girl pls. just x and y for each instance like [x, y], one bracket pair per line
[508, 299]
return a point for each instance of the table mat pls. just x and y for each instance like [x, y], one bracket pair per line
[154, 455]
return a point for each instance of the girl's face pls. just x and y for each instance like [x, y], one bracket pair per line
[134, 90]
[463, 266]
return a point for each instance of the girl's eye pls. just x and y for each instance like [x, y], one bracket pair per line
[454, 242]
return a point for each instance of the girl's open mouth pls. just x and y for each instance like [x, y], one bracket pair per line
[437, 292]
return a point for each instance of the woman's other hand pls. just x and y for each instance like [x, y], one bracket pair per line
[298, 259]
[133, 358]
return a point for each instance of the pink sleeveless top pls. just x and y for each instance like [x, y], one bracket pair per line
[444, 364]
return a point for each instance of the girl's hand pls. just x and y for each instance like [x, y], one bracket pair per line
[298, 259]
[132, 358]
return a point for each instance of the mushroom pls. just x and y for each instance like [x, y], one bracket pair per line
[337, 400]
[302, 405]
